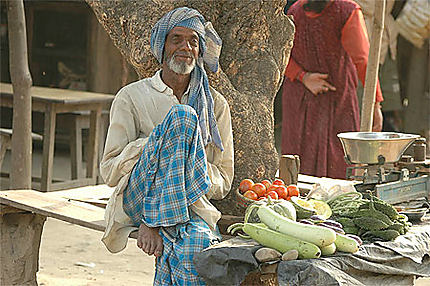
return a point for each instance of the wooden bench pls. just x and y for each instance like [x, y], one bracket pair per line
[6, 141]
[22, 215]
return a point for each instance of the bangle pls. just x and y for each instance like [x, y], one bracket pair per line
[301, 76]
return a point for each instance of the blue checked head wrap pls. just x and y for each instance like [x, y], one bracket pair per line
[210, 44]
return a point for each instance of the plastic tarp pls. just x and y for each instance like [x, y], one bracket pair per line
[379, 263]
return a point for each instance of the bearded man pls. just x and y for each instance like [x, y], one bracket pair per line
[169, 149]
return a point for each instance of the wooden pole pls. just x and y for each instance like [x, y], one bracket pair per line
[372, 68]
[21, 81]
[20, 233]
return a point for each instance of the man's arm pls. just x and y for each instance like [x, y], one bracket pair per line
[221, 163]
[122, 147]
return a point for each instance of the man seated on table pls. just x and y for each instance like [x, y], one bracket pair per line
[169, 149]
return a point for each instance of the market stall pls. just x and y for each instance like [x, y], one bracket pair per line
[372, 230]
[232, 262]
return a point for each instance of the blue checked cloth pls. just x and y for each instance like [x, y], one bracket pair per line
[181, 243]
[171, 174]
[210, 44]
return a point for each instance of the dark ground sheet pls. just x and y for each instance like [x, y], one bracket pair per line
[381, 263]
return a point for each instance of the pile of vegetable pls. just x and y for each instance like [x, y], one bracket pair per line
[272, 223]
[267, 189]
[371, 219]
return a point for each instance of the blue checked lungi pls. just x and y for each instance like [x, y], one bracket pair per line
[170, 175]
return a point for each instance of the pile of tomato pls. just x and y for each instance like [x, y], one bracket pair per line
[264, 189]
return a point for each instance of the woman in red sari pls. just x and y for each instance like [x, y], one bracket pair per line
[319, 93]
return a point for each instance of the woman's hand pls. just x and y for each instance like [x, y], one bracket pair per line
[377, 118]
[316, 83]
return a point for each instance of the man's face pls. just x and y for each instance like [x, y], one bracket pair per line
[181, 50]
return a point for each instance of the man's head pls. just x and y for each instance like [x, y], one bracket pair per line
[182, 41]
[181, 50]
[188, 26]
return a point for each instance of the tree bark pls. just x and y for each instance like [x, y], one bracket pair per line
[257, 39]
[20, 235]
[21, 81]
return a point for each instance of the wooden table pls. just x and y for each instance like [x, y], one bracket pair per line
[52, 101]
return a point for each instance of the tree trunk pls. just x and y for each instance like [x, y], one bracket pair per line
[21, 81]
[257, 39]
[20, 233]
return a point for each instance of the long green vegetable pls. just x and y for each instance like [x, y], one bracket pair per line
[280, 241]
[318, 235]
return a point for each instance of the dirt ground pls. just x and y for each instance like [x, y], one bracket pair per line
[71, 255]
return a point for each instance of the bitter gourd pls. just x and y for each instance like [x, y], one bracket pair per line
[387, 234]
[351, 230]
[345, 222]
[372, 212]
[398, 227]
[383, 207]
[370, 223]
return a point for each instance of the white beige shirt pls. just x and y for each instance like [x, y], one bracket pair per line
[136, 110]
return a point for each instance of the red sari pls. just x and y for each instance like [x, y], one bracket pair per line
[310, 123]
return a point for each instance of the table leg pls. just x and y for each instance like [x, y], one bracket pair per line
[76, 146]
[48, 149]
[5, 141]
[93, 143]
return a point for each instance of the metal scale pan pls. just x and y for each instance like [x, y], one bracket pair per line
[378, 151]
[375, 147]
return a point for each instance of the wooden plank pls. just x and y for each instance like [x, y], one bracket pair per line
[79, 213]
[71, 184]
[308, 179]
[58, 95]
[96, 192]
[5, 209]
[7, 131]
[314, 180]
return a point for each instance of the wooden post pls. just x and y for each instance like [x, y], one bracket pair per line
[289, 168]
[372, 68]
[21, 81]
[20, 233]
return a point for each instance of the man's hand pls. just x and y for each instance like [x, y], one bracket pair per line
[377, 118]
[316, 83]
[149, 240]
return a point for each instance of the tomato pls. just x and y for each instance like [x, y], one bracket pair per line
[272, 188]
[288, 198]
[259, 189]
[273, 195]
[267, 183]
[245, 185]
[293, 191]
[282, 192]
[250, 195]
[278, 182]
